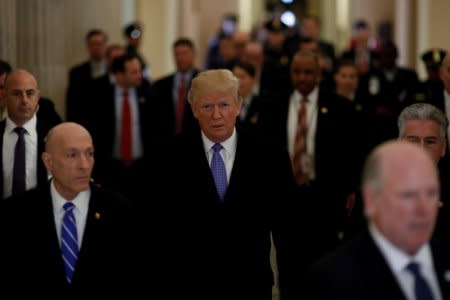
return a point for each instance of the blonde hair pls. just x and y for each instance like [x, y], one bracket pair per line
[220, 80]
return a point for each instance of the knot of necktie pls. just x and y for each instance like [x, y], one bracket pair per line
[20, 130]
[217, 147]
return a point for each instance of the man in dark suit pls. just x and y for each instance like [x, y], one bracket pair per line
[426, 125]
[319, 212]
[391, 88]
[125, 100]
[394, 258]
[21, 95]
[80, 76]
[225, 222]
[102, 262]
[431, 88]
[170, 94]
[310, 28]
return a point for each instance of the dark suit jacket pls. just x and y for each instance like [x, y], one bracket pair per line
[359, 271]
[227, 243]
[44, 123]
[334, 139]
[33, 256]
[102, 125]
[318, 215]
[163, 103]
[79, 81]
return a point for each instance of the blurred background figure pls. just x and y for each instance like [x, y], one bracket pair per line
[227, 28]
[169, 94]
[363, 48]
[432, 86]
[133, 35]
[80, 76]
[310, 28]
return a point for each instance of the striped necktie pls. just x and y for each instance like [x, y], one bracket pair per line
[301, 177]
[69, 241]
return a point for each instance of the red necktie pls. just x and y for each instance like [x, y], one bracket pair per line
[300, 145]
[126, 143]
[180, 105]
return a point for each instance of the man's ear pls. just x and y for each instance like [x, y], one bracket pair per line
[46, 159]
[368, 199]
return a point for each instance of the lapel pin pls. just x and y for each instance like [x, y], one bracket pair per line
[324, 110]
[447, 276]
[97, 216]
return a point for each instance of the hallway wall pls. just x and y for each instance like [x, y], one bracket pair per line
[47, 36]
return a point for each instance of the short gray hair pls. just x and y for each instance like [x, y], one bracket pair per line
[423, 111]
[371, 175]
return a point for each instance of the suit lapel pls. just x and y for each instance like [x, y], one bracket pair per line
[2, 131]
[379, 276]
[198, 155]
[441, 263]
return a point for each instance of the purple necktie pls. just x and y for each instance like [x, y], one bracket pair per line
[218, 171]
[19, 185]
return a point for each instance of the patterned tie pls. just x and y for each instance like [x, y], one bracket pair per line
[126, 143]
[19, 184]
[69, 241]
[181, 102]
[300, 145]
[421, 287]
[218, 171]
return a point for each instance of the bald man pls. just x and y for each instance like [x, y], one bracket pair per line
[102, 260]
[400, 190]
[21, 95]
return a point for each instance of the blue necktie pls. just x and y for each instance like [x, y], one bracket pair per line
[218, 171]
[19, 184]
[421, 288]
[69, 241]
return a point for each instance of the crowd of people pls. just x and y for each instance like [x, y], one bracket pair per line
[192, 178]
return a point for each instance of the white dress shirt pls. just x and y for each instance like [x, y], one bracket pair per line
[31, 154]
[80, 211]
[398, 260]
[228, 151]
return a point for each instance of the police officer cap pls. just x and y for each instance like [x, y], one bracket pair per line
[275, 24]
[133, 30]
[433, 57]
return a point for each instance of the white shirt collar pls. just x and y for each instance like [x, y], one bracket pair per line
[229, 145]
[396, 258]
[312, 96]
[81, 201]
[29, 126]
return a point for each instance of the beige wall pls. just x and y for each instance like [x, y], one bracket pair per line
[374, 12]
[439, 34]
[47, 37]
[159, 20]
[50, 44]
